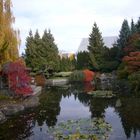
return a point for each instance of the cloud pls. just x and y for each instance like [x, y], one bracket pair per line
[72, 20]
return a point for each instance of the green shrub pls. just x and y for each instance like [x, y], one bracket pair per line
[4, 97]
[77, 76]
[122, 71]
[134, 80]
[122, 74]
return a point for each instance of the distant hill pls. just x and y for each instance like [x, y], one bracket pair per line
[108, 41]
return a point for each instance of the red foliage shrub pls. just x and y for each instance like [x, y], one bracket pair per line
[89, 75]
[40, 80]
[133, 43]
[18, 79]
[132, 61]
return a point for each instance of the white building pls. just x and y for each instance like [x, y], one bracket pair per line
[108, 42]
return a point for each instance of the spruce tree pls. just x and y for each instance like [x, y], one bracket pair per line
[41, 52]
[138, 25]
[50, 51]
[31, 52]
[95, 47]
[29, 49]
[133, 27]
[83, 61]
[123, 37]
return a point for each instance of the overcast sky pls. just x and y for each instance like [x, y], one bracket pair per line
[72, 20]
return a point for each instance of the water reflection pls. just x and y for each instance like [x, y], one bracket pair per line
[49, 108]
[52, 103]
[17, 128]
[129, 113]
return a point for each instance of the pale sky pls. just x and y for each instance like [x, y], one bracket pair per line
[72, 20]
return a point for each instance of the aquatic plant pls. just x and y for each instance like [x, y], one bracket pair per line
[81, 129]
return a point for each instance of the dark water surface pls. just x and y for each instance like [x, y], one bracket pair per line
[60, 104]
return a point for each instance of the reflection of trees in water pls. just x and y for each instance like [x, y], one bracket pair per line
[98, 105]
[84, 98]
[129, 113]
[49, 107]
[17, 128]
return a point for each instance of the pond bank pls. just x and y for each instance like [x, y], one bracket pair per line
[11, 108]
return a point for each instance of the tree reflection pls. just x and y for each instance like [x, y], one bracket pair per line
[129, 113]
[49, 107]
[17, 128]
[98, 106]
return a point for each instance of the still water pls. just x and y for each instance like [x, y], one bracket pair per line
[73, 102]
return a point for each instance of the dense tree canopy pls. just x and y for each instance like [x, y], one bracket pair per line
[41, 53]
[83, 61]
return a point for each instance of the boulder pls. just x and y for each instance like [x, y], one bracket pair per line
[2, 117]
[118, 103]
[12, 109]
[31, 102]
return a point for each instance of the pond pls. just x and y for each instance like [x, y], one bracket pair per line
[72, 102]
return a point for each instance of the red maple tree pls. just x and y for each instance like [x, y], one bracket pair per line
[132, 61]
[18, 79]
[133, 44]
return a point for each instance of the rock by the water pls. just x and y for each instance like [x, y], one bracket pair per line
[31, 102]
[103, 77]
[12, 109]
[2, 117]
[118, 103]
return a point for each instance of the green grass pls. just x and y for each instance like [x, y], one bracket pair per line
[4, 97]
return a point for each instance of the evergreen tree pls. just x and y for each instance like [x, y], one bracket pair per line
[95, 47]
[65, 64]
[110, 60]
[133, 27]
[138, 25]
[50, 51]
[83, 61]
[42, 53]
[30, 51]
[123, 37]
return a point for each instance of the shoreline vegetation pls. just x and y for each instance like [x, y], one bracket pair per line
[103, 71]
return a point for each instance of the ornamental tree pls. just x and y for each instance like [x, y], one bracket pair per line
[18, 79]
[132, 61]
[9, 38]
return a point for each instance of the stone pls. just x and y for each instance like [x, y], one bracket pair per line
[2, 117]
[12, 109]
[31, 102]
[118, 103]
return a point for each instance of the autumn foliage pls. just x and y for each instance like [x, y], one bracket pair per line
[88, 86]
[9, 38]
[89, 75]
[40, 80]
[82, 75]
[132, 61]
[18, 79]
[133, 44]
